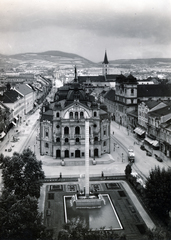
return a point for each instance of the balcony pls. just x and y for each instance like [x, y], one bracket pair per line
[66, 136]
[77, 135]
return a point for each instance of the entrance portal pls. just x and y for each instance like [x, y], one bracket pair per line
[66, 153]
[96, 152]
[58, 153]
[77, 153]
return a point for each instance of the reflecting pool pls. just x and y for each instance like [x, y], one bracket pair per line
[105, 216]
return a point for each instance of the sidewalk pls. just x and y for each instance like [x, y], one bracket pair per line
[75, 167]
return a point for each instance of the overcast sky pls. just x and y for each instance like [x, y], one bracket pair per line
[125, 28]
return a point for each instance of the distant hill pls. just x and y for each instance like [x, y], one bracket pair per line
[50, 56]
[141, 61]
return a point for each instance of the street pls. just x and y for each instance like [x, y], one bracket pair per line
[113, 163]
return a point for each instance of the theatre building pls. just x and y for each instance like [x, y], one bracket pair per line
[62, 124]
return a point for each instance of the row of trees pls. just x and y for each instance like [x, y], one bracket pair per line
[78, 230]
[22, 179]
[157, 196]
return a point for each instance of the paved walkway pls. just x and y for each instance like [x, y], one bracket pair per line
[132, 196]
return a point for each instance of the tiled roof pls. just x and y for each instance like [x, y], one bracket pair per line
[166, 124]
[48, 115]
[110, 95]
[111, 76]
[161, 112]
[24, 89]
[11, 96]
[152, 103]
[99, 78]
[157, 90]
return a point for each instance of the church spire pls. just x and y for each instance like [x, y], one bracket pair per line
[105, 64]
[105, 59]
[76, 77]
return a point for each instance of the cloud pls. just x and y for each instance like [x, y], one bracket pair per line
[105, 22]
[85, 27]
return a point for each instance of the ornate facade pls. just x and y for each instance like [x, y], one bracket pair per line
[62, 124]
[125, 98]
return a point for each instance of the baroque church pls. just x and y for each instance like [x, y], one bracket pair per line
[62, 124]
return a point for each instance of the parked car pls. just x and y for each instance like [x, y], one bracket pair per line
[142, 147]
[148, 153]
[158, 158]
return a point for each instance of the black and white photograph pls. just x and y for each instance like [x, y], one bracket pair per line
[85, 120]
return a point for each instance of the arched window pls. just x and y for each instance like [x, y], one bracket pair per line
[66, 130]
[57, 139]
[95, 114]
[66, 140]
[81, 114]
[57, 114]
[96, 139]
[47, 145]
[71, 114]
[76, 115]
[77, 130]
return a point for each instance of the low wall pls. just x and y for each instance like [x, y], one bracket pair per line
[88, 203]
[92, 178]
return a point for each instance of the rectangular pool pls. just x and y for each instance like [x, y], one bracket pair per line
[96, 218]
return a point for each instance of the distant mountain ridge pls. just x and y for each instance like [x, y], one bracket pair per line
[47, 55]
[55, 53]
[140, 61]
[55, 58]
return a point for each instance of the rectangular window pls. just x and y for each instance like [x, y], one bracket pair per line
[46, 132]
[82, 154]
[72, 154]
[51, 196]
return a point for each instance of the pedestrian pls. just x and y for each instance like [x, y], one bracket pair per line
[60, 175]
[102, 174]
[113, 133]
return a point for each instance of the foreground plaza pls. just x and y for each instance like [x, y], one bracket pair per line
[122, 211]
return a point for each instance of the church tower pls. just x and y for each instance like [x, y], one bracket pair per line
[105, 64]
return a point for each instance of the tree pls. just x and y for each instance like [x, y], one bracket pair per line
[19, 216]
[19, 219]
[128, 170]
[22, 174]
[158, 233]
[158, 192]
[78, 230]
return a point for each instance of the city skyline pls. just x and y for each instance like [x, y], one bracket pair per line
[126, 29]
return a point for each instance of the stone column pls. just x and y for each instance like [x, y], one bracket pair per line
[87, 158]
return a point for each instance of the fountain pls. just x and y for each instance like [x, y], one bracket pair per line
[85, 199]
[86, 205]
